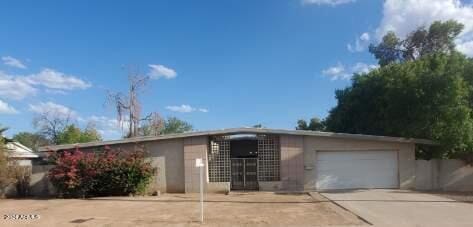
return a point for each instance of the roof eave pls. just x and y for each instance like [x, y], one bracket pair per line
[238, 131]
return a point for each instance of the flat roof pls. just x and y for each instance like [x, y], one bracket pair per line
[239, 131]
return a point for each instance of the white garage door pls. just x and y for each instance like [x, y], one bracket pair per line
[356, 169]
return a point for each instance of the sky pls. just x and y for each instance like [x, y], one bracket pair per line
[215, 64]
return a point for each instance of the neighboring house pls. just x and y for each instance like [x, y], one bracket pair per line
[19, 153]
[273, 160]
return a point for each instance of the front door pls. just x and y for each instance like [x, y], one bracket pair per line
[244, 174]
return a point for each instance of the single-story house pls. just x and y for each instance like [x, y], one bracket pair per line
[273, 159]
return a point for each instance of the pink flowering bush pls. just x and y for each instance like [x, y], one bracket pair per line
[107, 173]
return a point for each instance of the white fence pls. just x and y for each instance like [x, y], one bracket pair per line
[446, 175]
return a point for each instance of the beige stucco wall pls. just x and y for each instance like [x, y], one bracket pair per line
[167, 156]
[194, 148]
[176, 171]
[217, 187]
[270, 186]
[292, 163]
[447, 175]
[406, 156]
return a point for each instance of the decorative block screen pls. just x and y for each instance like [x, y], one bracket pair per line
[219, 159]
[269, 158]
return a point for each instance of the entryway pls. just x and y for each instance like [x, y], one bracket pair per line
[244, 174]
[244, 160]
[244, 164]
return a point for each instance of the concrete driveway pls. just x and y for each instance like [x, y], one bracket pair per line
[404, 208]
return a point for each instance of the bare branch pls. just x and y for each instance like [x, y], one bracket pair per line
[128, 107]
[50, 124]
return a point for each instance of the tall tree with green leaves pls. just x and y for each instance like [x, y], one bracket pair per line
[388, 50]
[439, 38]
[175, 125]
[31, 140]
[423, 89]
[158, 126]
[315, 124]
[73, 134]
[426, 98]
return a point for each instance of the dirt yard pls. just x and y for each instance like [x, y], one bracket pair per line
[466, 197]
[247, 209]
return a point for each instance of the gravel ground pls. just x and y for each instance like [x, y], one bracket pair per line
[236, 209]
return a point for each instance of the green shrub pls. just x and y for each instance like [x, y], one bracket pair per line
[6, 177]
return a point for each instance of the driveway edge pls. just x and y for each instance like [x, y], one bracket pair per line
[344, 208]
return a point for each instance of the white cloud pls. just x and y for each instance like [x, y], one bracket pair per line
[5, 108]
[365, 37]
[15, 87]
[13, 62]
[186, 109]
[466, 47]
[203, 110]
[341, 72]
[55, 91]
[53, 79]
[104, 122]
[18, 87]
[181, 108]
[326, 2]
[404, 16]
[158, 71]
[108, 127]
[336, 72]
[53, 109]
[360, 43]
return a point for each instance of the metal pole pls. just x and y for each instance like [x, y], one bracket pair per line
[244, 173]
[202, 193]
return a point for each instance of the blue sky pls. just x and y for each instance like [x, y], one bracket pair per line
[216, 64]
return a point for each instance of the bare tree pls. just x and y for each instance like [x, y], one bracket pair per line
[128, 106]
[51, 123]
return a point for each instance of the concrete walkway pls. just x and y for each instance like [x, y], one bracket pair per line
[404, 208]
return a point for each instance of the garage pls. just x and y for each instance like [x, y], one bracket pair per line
[356, 169]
